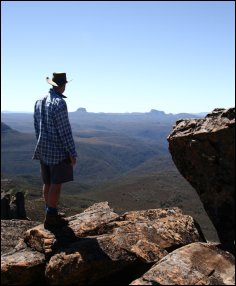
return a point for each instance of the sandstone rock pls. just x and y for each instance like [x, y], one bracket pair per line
[168, 228]
[20, 206]
[13, 207]
[98, 247]
[19, 265]
[204, 152]
[11, 233]
[193, 264]
[141, 236]
[87, 222]
[79, 225]
[5, 206]
[87, 261]
[22, 268]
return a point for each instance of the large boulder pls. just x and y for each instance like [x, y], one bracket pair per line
[204, 152]
[193, 264]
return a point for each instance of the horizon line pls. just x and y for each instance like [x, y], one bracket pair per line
[82, 109]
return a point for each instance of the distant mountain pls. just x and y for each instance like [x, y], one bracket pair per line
[153, 115]
[6, 129]
[108, 144]
[104, 121]
[22, 122]
[104, 153]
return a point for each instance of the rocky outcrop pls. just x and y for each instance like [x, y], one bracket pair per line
[204, 152]
[133, 239]
[5, 206]
[99, 246]
[13, 206]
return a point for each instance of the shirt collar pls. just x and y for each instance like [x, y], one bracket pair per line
[55, 93]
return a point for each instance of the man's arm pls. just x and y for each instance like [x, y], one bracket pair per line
[64, 130]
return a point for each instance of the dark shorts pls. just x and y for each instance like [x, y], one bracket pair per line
[57, 174]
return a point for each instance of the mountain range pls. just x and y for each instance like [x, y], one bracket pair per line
[122, 158]
[109, 145]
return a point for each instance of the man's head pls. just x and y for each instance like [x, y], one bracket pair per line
[60, 88]
[58, 81]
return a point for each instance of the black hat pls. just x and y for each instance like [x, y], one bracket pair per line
[59, 78]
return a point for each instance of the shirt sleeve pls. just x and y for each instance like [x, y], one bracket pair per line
[64, 128]
[36, 120]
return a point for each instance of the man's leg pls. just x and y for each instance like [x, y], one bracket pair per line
[46, 188]
[53, 219]
[53, 195]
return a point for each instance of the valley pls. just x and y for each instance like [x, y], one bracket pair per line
[123, 159]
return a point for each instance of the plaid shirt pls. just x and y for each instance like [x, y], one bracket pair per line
[53, 131]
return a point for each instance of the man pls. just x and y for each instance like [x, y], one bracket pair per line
[55, 146]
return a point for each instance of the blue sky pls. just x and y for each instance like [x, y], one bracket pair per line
[123, 56]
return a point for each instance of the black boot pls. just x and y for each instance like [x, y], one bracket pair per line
[54, 221]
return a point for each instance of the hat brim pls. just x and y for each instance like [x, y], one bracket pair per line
[50, 81]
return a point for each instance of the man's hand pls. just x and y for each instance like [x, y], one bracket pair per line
[72, 160]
